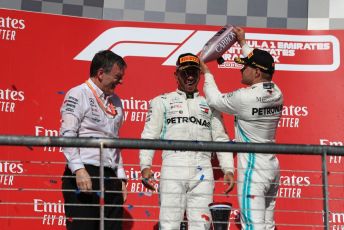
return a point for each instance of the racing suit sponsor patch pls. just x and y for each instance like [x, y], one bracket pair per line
[268, 85]
[70, 104]
[228, 95]
[267, 110]
[178, 120]
[205, 109]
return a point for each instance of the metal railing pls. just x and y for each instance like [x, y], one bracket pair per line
[101, 143]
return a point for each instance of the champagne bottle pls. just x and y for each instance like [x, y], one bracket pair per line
[218, 44]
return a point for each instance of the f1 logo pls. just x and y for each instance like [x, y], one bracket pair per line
[147, 42]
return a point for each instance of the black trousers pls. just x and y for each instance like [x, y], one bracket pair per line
[82, 210]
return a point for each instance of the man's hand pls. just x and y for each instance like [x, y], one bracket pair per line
[147, 176]
[83, 180]
[229, 179]
[204, 67]
[240, 33]
[124, 191]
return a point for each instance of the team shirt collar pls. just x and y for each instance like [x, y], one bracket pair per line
[99, 92]
[186, 96]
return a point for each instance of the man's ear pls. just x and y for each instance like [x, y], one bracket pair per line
[176, 75]
[100, 73]
[258, 73]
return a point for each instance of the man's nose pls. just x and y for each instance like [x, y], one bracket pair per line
[190, 77]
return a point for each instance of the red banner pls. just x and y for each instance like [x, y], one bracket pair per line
[43, 56]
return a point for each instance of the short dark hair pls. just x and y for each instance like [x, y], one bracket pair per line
[106, 59]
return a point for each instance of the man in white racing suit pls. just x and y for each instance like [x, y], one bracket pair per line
[186, 180]
[257, 110]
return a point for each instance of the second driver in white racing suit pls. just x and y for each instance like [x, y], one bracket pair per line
[186, 182]
[257, 110]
